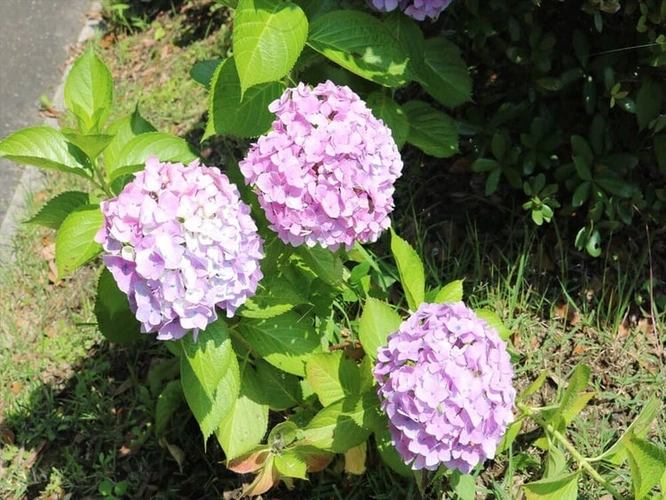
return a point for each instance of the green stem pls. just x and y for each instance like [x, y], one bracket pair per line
[101, 181]
[582, 461]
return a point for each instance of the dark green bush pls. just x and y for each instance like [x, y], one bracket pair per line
[568, 107]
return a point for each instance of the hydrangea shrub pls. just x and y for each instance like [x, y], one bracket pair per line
[324, 174]
[416, 9]
[445, 382]
[180, 242]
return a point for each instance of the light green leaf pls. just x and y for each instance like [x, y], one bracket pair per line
[268, 37]
[647, 462]
[556, 462]
[245, 425]
[432, 131]
[534, 386]
[90, 144]
[281, 390]
[89, 92]
[168, 402]
[344, 424]
[445, 77]
[210, 376]
[617, 453]
[563, 487]
[123, 130]
[165, 147]
[378, 320]
[291, 463]
[463, 485]
[391, 114]
[410, 268]
[361, 44]
[56, 210]
[44, 147]
[494, 321]
[332, 376]
[228, 115]
[75, 243]
[574, 400]
[115, 319]
[451, 292]
[285, 341]
[509, 436]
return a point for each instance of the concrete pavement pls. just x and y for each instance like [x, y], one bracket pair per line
[34, 35]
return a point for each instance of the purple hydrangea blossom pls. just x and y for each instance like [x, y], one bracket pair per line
[416, 9]
[179, 242]
[445, 382]
[324, 174]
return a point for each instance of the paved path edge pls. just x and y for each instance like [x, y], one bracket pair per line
[33, 178]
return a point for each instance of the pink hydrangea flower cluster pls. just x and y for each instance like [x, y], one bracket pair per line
[179, 242]
[445, 382]
[324, 174]
[416, 9]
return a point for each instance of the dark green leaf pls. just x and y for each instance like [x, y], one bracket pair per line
[115, 319]
[202, 72]
[56, 210]
[168, 402]
[431, 130]
[445, 76]
[581, 194]
[648, 102]
[391, 114]
[228, 115]
[281, 390]
[361, 44]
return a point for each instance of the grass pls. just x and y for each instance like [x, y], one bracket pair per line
[77, 414]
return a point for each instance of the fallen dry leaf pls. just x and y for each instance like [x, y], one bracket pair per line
[16, 388]
[567, 313]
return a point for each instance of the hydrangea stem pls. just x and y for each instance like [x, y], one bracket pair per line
[582, 461]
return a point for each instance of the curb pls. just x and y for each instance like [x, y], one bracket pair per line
[33, 178]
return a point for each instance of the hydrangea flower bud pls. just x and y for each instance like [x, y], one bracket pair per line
[324, 174]
[416, 9]
[445, 382]
[179, 242]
